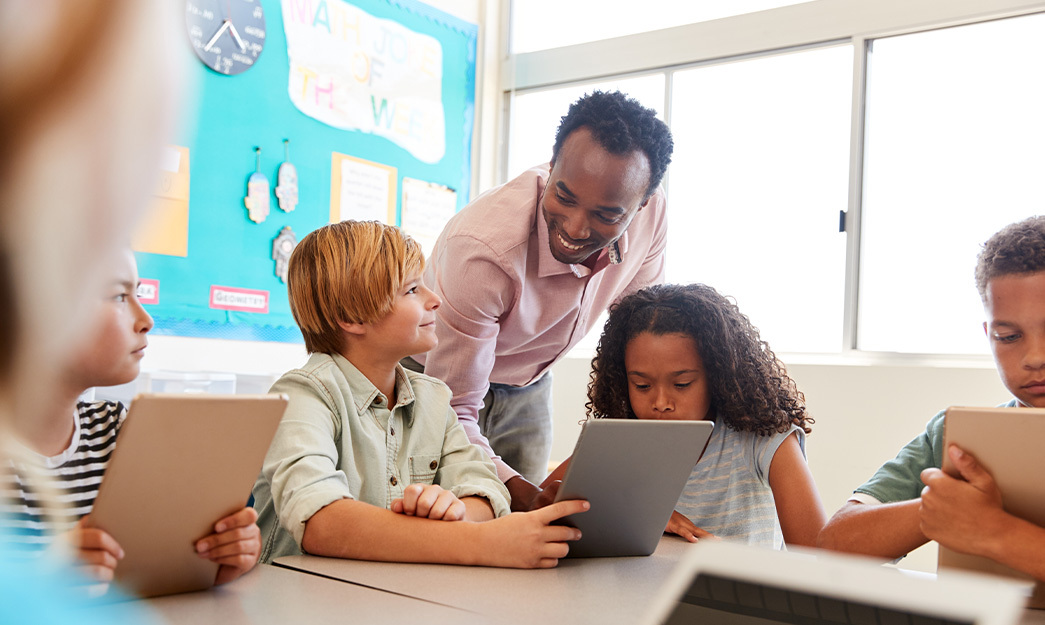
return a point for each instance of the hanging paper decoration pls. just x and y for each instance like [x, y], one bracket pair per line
[287, 190]
[282, 246]
[258, 191]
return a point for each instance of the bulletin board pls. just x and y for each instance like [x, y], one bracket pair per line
[216, 276]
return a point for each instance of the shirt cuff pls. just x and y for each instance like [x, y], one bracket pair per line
[498, 501]
[864, 498]
[504, 471]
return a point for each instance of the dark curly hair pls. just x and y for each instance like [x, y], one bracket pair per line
[621, 125]
[1017, 248]
[750, 388]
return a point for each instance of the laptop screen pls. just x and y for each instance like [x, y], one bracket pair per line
[725, 601]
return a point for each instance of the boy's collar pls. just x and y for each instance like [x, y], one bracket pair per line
[365, 393]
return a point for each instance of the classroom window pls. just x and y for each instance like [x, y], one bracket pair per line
[954, 136]
[759, 176]
[544, 24]
[535, 116]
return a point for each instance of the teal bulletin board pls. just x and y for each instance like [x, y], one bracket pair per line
[236, 114]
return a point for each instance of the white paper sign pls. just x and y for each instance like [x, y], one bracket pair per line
[365, 191]
[354, 71]
[426, 209]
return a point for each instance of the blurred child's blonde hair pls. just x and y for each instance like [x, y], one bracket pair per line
[348, 272]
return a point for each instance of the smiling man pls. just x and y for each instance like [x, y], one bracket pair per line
[525, 270]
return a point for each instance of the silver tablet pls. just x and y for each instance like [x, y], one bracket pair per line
[632, 472]
[181, 463]
[1006, 442]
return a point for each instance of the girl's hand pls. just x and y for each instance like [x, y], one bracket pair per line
[528, 540]
[98, 552]
[430, 501]
[235, 545]
[681, 525]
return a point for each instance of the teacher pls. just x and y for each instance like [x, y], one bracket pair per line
[525, 270]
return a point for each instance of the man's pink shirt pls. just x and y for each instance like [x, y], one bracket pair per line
[510, 310]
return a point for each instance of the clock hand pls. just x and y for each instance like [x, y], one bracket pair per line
[225, 24]
[235, 35]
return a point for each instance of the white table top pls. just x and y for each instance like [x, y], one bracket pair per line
[584, 590]
[279, 596]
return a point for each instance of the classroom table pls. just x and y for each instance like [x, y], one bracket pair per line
[311, 589]
[279, 596]
[583, 590]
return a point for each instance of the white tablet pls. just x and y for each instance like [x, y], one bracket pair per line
[632, 472]
[1007, 442]
[181, 462]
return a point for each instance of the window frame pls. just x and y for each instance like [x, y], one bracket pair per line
[782, 30]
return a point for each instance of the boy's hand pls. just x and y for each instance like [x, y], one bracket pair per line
[429, 501]
[527, 540]
[964, 513]
[681, 525]
[235, 545]
[97, 551]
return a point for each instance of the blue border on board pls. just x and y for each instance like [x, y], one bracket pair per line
[233, 331]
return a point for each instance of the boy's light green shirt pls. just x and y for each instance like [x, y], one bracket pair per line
[339, 439]
[900, 478]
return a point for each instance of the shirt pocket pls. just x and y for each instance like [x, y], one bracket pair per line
[423, 468]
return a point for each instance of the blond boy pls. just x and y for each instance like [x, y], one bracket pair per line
[370, 461]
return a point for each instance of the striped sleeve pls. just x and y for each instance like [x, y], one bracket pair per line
[43, 496]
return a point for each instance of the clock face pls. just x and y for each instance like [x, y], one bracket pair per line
[227, 35]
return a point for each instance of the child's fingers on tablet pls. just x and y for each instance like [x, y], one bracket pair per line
[230, 552]
[94, 539]
[97, 573]
[98, 558]
[560, 534]
[561, 509]
[248, 533]
[242, 517]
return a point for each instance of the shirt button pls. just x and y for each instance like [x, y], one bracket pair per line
[394, 480]
[393, 431]
[433, 465]
[378, 400]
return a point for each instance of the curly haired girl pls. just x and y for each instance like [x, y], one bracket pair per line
[687, 352]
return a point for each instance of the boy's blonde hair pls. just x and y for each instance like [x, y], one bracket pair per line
[348, 272]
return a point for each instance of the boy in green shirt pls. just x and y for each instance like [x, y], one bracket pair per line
[910, 501]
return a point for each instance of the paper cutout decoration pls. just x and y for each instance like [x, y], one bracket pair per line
[164, 228]
[287, 190]
[361, 190]
[258, 191]
[282, 246]
[426, 209]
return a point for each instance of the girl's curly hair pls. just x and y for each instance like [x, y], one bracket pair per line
[750, 388]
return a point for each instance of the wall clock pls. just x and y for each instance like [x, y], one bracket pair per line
[227, 35]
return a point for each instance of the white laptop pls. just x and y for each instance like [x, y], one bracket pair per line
[724, 583]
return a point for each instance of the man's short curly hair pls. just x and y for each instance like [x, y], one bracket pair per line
[749, 387]
[621, 125]
[1017, 248]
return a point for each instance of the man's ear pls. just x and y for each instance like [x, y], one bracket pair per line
[358, 329]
